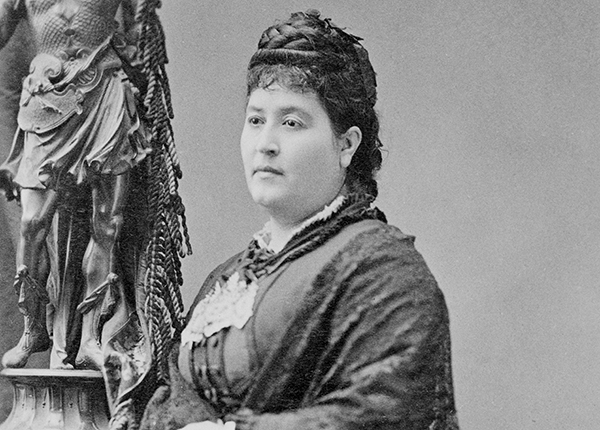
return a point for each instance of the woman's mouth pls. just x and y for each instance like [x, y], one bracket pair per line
[267, 170]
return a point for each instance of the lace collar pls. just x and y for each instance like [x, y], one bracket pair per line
[263, 236]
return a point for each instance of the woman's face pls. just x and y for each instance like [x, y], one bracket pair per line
[293, 161]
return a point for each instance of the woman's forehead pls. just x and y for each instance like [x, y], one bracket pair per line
[283, 99]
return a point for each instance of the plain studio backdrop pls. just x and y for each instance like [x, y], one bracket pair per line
[490, 114]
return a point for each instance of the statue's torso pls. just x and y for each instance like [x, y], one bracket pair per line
[65, 26]
[72, 39]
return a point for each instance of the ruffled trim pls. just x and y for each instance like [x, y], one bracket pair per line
[263, 236]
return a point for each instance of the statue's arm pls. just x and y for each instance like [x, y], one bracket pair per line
[11, 12]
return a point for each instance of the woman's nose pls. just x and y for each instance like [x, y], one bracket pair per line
[268, 141]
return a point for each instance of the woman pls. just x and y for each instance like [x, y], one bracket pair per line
[330, 319]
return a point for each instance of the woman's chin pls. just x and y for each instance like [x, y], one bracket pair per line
[267, 199]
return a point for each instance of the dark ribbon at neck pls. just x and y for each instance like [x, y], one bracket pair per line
[257, 262]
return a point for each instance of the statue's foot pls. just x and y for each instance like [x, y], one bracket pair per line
[34, 339]
[90, 356]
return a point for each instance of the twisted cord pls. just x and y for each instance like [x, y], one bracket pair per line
[124, 417]
[168, 239]
[355, 208]
[257, 262]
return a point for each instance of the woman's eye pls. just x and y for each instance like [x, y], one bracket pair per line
[292, 123]
[254, 120]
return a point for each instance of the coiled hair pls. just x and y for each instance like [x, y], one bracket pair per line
[307, 53]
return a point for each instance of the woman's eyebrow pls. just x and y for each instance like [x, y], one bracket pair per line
[254, 108]
[284, 110]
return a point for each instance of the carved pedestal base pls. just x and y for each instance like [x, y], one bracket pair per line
[56, 399]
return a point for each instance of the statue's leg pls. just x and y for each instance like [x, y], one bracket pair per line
[109, 195]
[70, 238]
[33, 268]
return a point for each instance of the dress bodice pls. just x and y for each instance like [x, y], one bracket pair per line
[223, 364]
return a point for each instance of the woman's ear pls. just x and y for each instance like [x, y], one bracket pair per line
[350, 142]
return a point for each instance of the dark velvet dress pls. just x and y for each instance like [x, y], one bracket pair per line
[353, 335]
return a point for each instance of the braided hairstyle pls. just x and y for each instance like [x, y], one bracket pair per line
[310, 54]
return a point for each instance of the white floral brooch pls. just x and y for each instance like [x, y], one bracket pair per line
[225, 306]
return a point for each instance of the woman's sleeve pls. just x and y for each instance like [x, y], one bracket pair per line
[387, 365]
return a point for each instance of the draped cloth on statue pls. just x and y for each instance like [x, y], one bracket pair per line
[86, 125]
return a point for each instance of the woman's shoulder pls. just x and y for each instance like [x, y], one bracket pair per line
[375, 234]
[225, 266]
[361, 243]
[381, 264]
[378, 250]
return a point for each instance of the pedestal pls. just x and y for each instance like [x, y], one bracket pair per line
[47, 399]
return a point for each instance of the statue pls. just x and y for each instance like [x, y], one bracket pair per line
[94, 167]
[14, 64]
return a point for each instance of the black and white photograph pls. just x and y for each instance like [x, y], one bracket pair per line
[299, 215]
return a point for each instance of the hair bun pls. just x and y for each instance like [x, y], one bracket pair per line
[306, 37]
